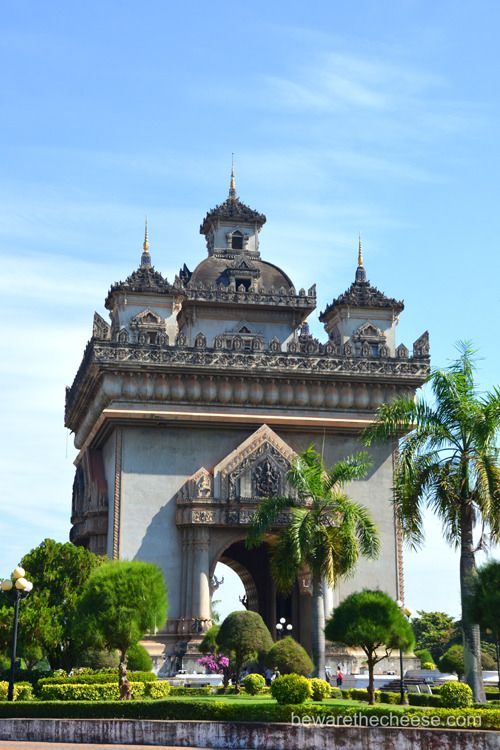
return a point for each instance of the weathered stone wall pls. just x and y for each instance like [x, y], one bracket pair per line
[206, 734]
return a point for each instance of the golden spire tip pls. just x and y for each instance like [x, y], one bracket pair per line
[146, 238]
[360, 253]
[232, 184]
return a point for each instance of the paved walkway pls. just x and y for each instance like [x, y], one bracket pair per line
[8, 745]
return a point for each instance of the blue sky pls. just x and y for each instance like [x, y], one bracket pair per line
[373, 117]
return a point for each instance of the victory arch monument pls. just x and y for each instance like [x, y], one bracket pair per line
[192, 401]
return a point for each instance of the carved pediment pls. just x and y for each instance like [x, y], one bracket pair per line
[146, 318]
[421, 346]
[368, 332]
[256, 468]
[100, 329]
[199, 486]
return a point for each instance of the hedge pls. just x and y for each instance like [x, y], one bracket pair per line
[75, 692]
[185, 691]
[424, 699]
[217, 710]
[23, 691]
[97, 679]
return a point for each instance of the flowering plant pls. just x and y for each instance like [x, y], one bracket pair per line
[214, 664]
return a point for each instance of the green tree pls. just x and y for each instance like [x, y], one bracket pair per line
[449, 462]
[47, 618]
[209, 642]
[243, 636]
[289, 657]
[326, 532]
[121, 602]
[374, 622]
[453, 660]
[425, 657]
[138, 659]
[484, 604]
[433, 631]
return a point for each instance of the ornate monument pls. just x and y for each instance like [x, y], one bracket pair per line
[191, 403]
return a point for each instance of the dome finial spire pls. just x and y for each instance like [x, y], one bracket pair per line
[360, 271]
[145, 257]
[232, 184]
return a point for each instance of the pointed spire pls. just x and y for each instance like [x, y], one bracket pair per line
[360, 271]
[232, 184]
[145, 257]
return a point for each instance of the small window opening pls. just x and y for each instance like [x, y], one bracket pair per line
[237, 241]
[245, 282]
[152, 338]
[244, 329]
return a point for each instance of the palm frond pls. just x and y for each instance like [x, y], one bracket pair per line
[349, 469]
[265, 517]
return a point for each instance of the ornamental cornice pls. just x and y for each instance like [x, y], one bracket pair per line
[113, 372]
[265, 297]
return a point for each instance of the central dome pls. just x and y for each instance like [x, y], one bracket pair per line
[216, 271]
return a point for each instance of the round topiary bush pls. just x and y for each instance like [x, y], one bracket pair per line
[455, 695]
[291, 689]
[320, 689]
[254, 683]
[289, 657]
[138, 659]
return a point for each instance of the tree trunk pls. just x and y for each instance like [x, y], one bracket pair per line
[318, 626]
[471, 631]
[123, 682]
[371, 683]
[497, 652]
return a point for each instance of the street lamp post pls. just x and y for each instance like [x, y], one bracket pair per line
[15, 588]
[402, 700]
[283, 627]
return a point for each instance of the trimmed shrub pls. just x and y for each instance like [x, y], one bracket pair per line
[157, 690]
[138, 659]
[23, 691]
[346, 693]
[185, 691]
[335, 692]
[361, 694]
[97, 678]
[428, 665]
[455, 695]
[86, 692]
[424, 699]
[254, 683]
[320, 689]
[389, 697]
[291, 689]
[289, 657]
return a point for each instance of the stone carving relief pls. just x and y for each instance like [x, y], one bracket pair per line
[100, 329]
[421, 346]
[257, 468]
[198, 486]
[266, 479]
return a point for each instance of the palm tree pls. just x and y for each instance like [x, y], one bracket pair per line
[484, 605]
[448, 462]
[325, 531]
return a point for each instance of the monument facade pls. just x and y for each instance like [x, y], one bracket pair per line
[192, 401]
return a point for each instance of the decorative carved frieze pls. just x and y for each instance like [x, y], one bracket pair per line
[112, 371]
[222, 295]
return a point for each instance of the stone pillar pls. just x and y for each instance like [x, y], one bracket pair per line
[200, 608]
